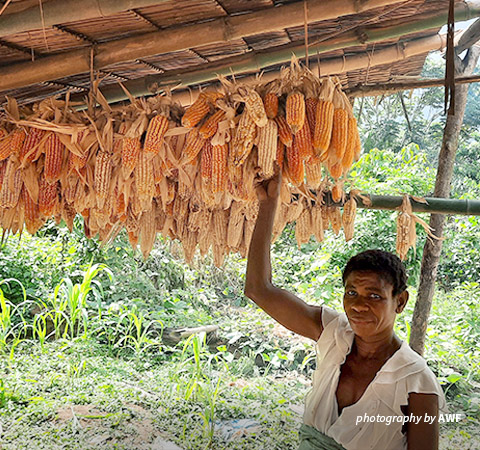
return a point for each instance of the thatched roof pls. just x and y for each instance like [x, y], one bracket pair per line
[148, 47]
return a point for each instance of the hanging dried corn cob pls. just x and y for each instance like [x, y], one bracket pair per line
[148, 232]
[303, 227]
[295, 167]
[103, 173]
[12, 144]
[335, 217]
[324, 119]
[295, 111]
[348, 216]
[271, 105]
[11, 184]
[303, 140]
[349, 155]
[254, 106]
[193, 145]
[28, 152]
[339, 129]
[144, 181]
[337, 192]
[311, 104]
[189, 245]
[130, 150]
[280, 156]
[32, 215]
[244, 138]
[267, 148]
[47, 197]
[210, 126]
[54, 154]
[157, 127]
[406, 233]
[313, 172]
[235, 225]
[196, 112]
[219, 168]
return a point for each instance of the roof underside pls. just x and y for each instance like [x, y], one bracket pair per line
[66, 37]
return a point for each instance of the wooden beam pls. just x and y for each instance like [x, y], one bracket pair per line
[372, 90]
[179, 38]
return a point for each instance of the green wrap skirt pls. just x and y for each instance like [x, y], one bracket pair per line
[312, 439]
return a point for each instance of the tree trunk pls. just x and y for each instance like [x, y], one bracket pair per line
[433, 248]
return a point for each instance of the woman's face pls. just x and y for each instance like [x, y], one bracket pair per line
[370, 305]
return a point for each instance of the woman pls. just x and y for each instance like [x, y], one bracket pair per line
[370, 390]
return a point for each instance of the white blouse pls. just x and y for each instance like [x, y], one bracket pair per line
[405, 372]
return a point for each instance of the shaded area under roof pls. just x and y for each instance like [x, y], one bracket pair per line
[66, 37]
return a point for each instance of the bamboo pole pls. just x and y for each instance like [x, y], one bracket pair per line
[373, 90]
[179, 38]
[63, 11]
[331, 66]
[255, 62]
[433, 205]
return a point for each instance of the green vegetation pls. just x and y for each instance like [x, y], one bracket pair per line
[85, 362]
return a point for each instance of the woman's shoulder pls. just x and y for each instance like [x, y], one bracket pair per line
[405, 373]
[336, 338]
[333, 318]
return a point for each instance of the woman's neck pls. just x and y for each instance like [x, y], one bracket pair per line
[379, 348]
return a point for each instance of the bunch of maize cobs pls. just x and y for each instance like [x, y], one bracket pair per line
[152, 167]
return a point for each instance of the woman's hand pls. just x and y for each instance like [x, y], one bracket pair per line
[269, 189]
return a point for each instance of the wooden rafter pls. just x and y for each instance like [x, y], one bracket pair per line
[27, 51]
[76, 34]
[150, 65]
[145, 19]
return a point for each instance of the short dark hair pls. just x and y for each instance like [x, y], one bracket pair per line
[379, 261]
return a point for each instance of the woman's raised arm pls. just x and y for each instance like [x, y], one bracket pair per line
[285, 307]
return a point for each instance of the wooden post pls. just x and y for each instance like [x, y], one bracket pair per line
[433, 248]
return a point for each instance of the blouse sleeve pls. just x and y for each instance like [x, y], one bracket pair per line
[425, 382]
[328, 314]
